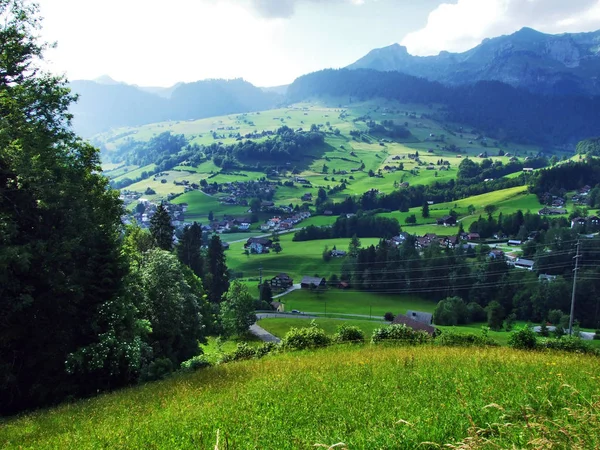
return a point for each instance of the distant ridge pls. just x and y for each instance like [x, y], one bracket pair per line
[105, 103]
[563, 64]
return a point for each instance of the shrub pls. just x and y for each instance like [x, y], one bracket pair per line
[196, 363]
[157, 370]
[400, 334]
[476, 312]
[303, 338]
[597, 335]
[568, 344]
[243, 351]
[349, 333]
[265, 349]
[453, 339]
[523, 339]
[389, 316]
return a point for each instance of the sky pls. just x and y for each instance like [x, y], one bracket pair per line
[272, 42]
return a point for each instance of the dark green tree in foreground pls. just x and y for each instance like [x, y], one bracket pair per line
[237, 310]
[60, 264]
[216, 280]
[189, 249]
[161, 228]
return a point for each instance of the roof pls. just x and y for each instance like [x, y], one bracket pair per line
[283, 276]
[524, 262]
[419, 316]
[312, 280]
[401, 319]
[275, 304]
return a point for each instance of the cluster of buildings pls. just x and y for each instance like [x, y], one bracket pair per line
[279, 224]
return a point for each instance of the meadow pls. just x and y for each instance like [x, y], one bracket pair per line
[358, 397]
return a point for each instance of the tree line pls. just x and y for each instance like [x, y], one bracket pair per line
[361, 225]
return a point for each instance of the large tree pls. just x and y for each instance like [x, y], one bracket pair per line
[237, 310]
[60, 266]
[162, 229]
[216, 280]
[189, 249]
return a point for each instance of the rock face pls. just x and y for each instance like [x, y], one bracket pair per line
[555, 64]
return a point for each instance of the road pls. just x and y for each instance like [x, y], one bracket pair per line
[268, 235]
[295, 287]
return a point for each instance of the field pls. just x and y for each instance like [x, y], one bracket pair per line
[279, 327]
[365, 397]
[340, 151]
[369, 304]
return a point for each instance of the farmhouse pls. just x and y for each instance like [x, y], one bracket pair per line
[578, 222]
[514, 242]
[494, 254]
[258, 245]
[447, 221]
[473, 236]
[419, 316]
[338, 253]
[308, 282]
[551, 211]
[521, 263]
[282, 281]
[277, 306]
[401, 319]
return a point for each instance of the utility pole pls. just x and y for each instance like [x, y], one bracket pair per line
[260, 286]
[576, 258]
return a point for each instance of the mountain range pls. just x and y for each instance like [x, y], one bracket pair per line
[562, 64]
[104, 103]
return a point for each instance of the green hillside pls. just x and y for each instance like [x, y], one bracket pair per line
[366, 397]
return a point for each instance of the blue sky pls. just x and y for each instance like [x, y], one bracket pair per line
[271, 42]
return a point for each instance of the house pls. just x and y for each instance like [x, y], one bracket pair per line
[328, 213]
[447, 221]
[398, 240]
[307, 197]
[308, 282]
[552, 211]
[451, 242]
[338, 253]
[258, 245]
[473, 236]
[494, 254]
[546, 277]
[343, 285]
[419, 316]
[578, 222]
[514, 242]
[277, 306]
[282, 281]
[267, 204]
[521, 263]
[401, 319]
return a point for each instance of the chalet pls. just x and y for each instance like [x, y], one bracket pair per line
[277, 306]
[426, 241]
[594, 220]
[397, 241]
[419, 316]
[447, 221]
[308, 282]
[526, 264]
[451, 242]
[551, 211]
[401, 319]
[225, 245]
[515, 242]
[527, 169]
[473, 236]
[282, 281]
[338, 253]
[258, 245]
[578, 222]
[494, 254]
[307, 197]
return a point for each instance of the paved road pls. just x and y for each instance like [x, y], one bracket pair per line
[586, 336]
[295, 287]
[268, 235]
[263, 334]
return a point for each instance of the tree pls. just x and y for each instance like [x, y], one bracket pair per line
[237, 310]
[354, 246]
[140, 208]
[412, 219]
[211, 216]
[425, 210]
[490, 209]
[189, 249]
[255, 205]
[495, 313]
[216, 280]
[326, 254]
[161, 228]
[277, 247]
[266, 293]
[60, 265]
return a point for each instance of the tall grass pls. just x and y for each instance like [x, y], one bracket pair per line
[366, 397]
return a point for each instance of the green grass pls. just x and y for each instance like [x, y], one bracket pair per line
[367, 397]
[336, 301]
[279, 327]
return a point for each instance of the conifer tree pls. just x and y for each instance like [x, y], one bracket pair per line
[162, 229]
[189, 249]
[216, 280]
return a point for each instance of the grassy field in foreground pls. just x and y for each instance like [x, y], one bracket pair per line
[367, 397]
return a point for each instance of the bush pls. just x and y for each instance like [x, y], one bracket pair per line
[597, 335]
[523, 339]
[349, 333]
[242, 352]
[157, 370]
[568, 344]
[389, 316]
[453, 339]
[304, 338]
[400, 334]
[196, 363]
[476, 312]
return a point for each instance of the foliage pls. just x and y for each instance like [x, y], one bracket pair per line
[237, 310]
[400, 334]
[161, 228]
[349, 333]
[523, 339]
[189, 249]
[389, 316]
[456, 339]
[568, 344]
[305, 338]
[589, 147]
[451, 311]
[60, 267]
[216, 279]
[361, 225]
[496, 315]
[196, 363]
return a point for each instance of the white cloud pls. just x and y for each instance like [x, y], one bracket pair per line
[463, 25]
[286, 8]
